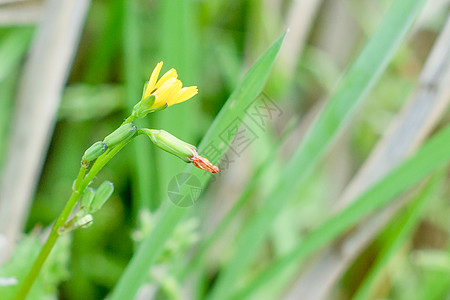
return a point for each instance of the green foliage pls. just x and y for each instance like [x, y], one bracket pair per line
[338, 111]
[396, 236]
[271, 208]
[55, 270]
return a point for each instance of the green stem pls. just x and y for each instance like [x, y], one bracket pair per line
[129, 119]
[79, 186]
[45, 251]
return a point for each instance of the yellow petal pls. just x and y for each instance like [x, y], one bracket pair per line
[153, 78]
[166, 91]
[172, 73]
[174, 92]
[184, 94]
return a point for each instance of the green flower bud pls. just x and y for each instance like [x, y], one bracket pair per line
[94, 151]
[102, 194]
[171, 144]
[86, 200]
[119, 135]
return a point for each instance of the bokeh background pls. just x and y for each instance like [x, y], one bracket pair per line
[71, 70]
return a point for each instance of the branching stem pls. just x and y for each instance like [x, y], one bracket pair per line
[80, 185]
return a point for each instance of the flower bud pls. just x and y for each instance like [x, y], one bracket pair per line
[183, 150]
[119, 135]
[171, 144]
[102, 194]
[86, 200]
[94, 151]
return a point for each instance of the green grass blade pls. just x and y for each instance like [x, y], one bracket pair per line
[363, 74]
[247, 91]
[208, 242]
[250, 87]
[403, 228]
[432, 155]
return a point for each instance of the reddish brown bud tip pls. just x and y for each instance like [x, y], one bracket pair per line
[203, 163]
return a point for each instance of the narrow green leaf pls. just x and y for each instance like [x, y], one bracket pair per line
[153, 244]
[204, 246]
[363, 74]
[400, 230]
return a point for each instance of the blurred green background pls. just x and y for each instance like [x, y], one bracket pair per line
[212, 44]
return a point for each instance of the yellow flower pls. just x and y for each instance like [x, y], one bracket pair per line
[168, 89]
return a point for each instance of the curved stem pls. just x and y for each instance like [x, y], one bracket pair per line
[81, 183]
[130, 119]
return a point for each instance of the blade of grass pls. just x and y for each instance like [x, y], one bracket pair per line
[250, 87]
[250, 187]
[398, 232]
[430, 156]
[357, 83]
[197, 267]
